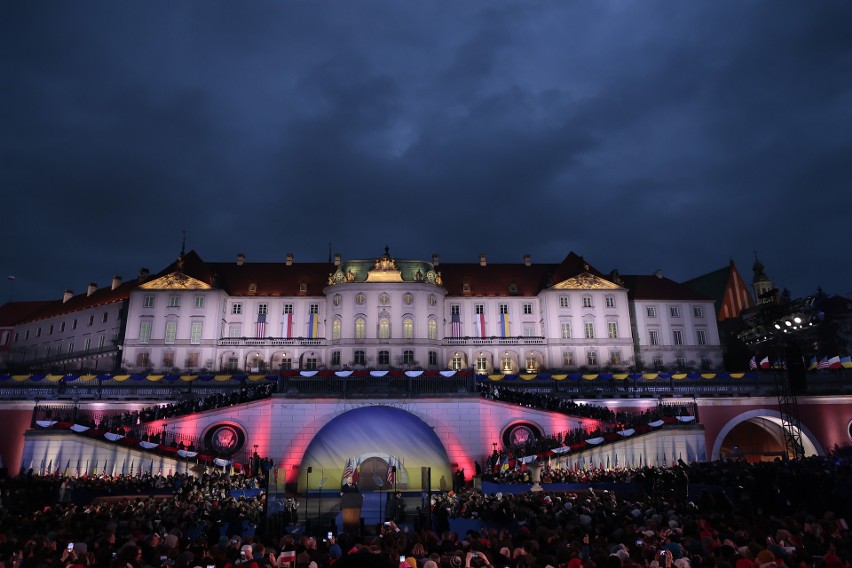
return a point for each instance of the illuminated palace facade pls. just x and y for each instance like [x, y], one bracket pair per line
[382, 313]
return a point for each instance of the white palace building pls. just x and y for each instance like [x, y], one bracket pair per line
[383, 313]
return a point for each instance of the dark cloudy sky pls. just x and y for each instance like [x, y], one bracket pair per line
[642, 135]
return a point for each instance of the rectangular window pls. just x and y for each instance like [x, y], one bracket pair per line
[651, 311]
[148, 301]
[142, 359]
[674, 311]
[236, 308]
[195, 332]
[87, 344]
[169, 359]
[74, 324]
[615, 358]
[314, 309]
[587, 301]
[50, 330]
[529, 331]
[680, 363]
[384, 357]
[658, 363]
[70, 347]
[592, 358]
[677, 337]
[145, 332]
[335, 358]
[192, 359]
[563, 301]
[92, 319]
[481, 365]
[527, 309]
[610, 301]
[360, 328]
[311, 363]
[288, 309]
[456, 363]
[479, 309]
[38, 332]
[504, 308]
[171, 332]
[706, 364]
[262, 309]
[408, 329]
[433, 358]
[697, 311]
[199, 301]
[360, 358]
[101, 341]
[701, 336]
[653, 337]
[174, 301]
[590, 330]
[566, 330]
[612, 330]
[433, 330]
[454, 309]
[105, 317]
[61, 327]
[568, 358]
[408, 357]
[234, 330]
[286, 363]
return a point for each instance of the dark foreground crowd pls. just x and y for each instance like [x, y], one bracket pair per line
[768, 515]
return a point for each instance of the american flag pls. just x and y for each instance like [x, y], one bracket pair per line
[260, 328]
[823, 363]
[391, 471]
[456, 325]
[347, 471]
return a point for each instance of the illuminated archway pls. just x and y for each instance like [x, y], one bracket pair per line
[390, 434]
[759, 433]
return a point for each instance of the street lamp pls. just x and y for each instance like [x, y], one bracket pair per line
[307, 493]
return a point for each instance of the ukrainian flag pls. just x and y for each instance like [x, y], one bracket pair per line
[505, 327]
[313, 326]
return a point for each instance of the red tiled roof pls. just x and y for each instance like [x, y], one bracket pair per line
[13, 313]
[652, 287]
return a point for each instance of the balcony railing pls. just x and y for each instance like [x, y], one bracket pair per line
[269, 342]
[493, 340]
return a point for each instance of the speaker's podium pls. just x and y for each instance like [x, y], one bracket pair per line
[350, 509]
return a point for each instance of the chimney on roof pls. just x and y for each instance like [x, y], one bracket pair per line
[241, 258]
[91, 289]
[67, 296]
[337, 259]
[143, 274]
[289, 261]
[658, 273]
[436, 260]
[527, 260]
[482, 259]
[116, 282]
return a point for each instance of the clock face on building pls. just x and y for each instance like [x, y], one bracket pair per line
[408, 299]
[384, 298]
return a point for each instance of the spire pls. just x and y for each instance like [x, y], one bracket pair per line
[758, 270]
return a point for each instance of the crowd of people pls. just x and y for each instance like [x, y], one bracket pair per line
[608, 417]
[765, 515]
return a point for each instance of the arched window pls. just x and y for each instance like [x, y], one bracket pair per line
[384, 328]
[335, 329]
[408, 328]
[360, 328]
[433, 329]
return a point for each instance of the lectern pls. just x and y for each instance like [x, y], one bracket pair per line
[350, 508]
